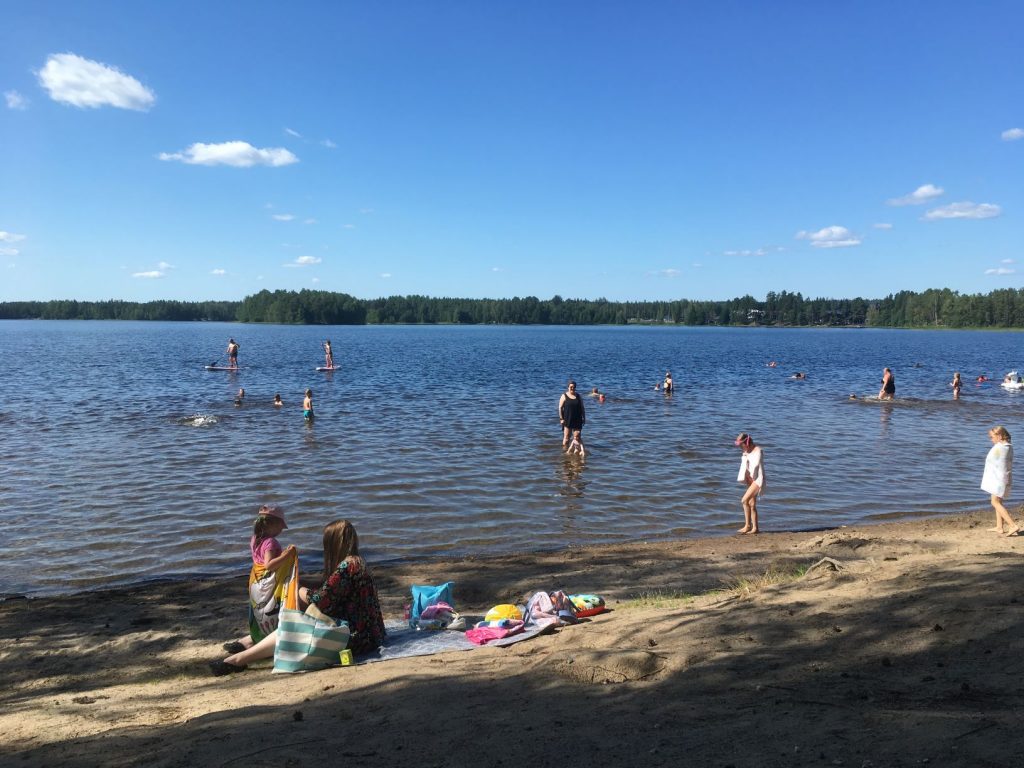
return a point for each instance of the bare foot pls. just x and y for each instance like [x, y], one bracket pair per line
[753, 530]
[744, 529]
[995, 530]
[1012, 532]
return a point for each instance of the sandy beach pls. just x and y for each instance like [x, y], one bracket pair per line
[905, 648]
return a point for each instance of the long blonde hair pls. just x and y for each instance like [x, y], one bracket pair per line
[340, 543]
[1001, 433]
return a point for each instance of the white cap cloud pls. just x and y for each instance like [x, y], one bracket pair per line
[304, 261]
[964, 210]
[1000, 271]
[1013, 134]
[152, 274]
[218, 271]
[81, 82]
[237, 154]
[15, 100]
[10, 237]
[920, 196]
[830, 237]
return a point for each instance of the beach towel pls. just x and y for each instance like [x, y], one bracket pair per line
[402, 642]
[308, 641]
[270, 592]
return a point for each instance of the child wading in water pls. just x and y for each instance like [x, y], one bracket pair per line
[751, 473]
[956, 385]
[307, 405]
[270, 575]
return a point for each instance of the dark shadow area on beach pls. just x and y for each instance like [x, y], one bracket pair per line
[924, 665]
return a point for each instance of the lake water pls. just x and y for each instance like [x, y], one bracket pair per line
[124, 460]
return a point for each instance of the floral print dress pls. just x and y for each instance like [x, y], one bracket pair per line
[349, 594]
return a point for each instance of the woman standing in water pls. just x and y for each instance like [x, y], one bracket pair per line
[751, 473]
[956, 385]
[572, 416]
[888, 390]
[998, 478]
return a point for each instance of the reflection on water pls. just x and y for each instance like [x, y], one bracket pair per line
[442, 441]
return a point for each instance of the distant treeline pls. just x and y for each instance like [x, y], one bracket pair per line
[932, 308]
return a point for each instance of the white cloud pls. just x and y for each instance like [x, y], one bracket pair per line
[282, 216]
[329, 144]
[9, 251]
[163, 265]
[1000, 271]
[15, 100]
[830, 237]
[10, 237]
[746, 252]
[309, 221]
[497, 269]
[82, 82]
[153, 274]
[882, 225]
[697, 265]
[290, 132]
[315, 280]
[385, 275]
[237, 154]
[923, 194]
[669, 273]
[348, 226]
[964, 210]
[1013, 134]
[218, 271]
[1007, 261]
[366, 210]
[304, 261]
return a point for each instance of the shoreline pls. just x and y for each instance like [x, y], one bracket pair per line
[402, 563]
[716, 651]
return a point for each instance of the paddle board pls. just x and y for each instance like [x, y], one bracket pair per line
[324, 368]
[221, 368]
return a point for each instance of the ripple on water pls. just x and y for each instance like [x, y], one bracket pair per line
[445, 440]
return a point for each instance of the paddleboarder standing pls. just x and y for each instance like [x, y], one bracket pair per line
[329, 354]
[232, 354]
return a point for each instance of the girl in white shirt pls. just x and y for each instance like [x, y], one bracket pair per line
[998, 478]
[751, 473]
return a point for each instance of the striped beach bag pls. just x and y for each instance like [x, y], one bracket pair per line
[310, 640]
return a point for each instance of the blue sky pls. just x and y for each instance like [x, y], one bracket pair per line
[649, 150]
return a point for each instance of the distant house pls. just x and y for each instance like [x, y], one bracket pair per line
[754, 315]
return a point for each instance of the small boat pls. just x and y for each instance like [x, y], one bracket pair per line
[1012, 381]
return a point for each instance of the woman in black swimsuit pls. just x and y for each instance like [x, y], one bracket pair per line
[888, 391]
[572, 416]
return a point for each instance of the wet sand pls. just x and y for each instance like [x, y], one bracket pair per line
[911, 653]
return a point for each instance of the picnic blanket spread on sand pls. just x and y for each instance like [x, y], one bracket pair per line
[269, 592]
[402, 641]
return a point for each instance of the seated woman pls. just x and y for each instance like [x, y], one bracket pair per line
[348, 594]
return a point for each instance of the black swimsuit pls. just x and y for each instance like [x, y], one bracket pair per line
[572, 412]
[890, 386]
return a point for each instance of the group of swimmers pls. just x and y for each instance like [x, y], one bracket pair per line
[307, 401]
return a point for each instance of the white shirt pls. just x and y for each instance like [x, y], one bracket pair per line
[753, 463]
[998, 477]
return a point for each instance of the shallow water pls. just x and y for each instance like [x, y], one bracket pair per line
[125, 460]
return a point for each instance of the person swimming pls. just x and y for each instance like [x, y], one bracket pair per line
[240, 396]
[799, 375]
[277, 399]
